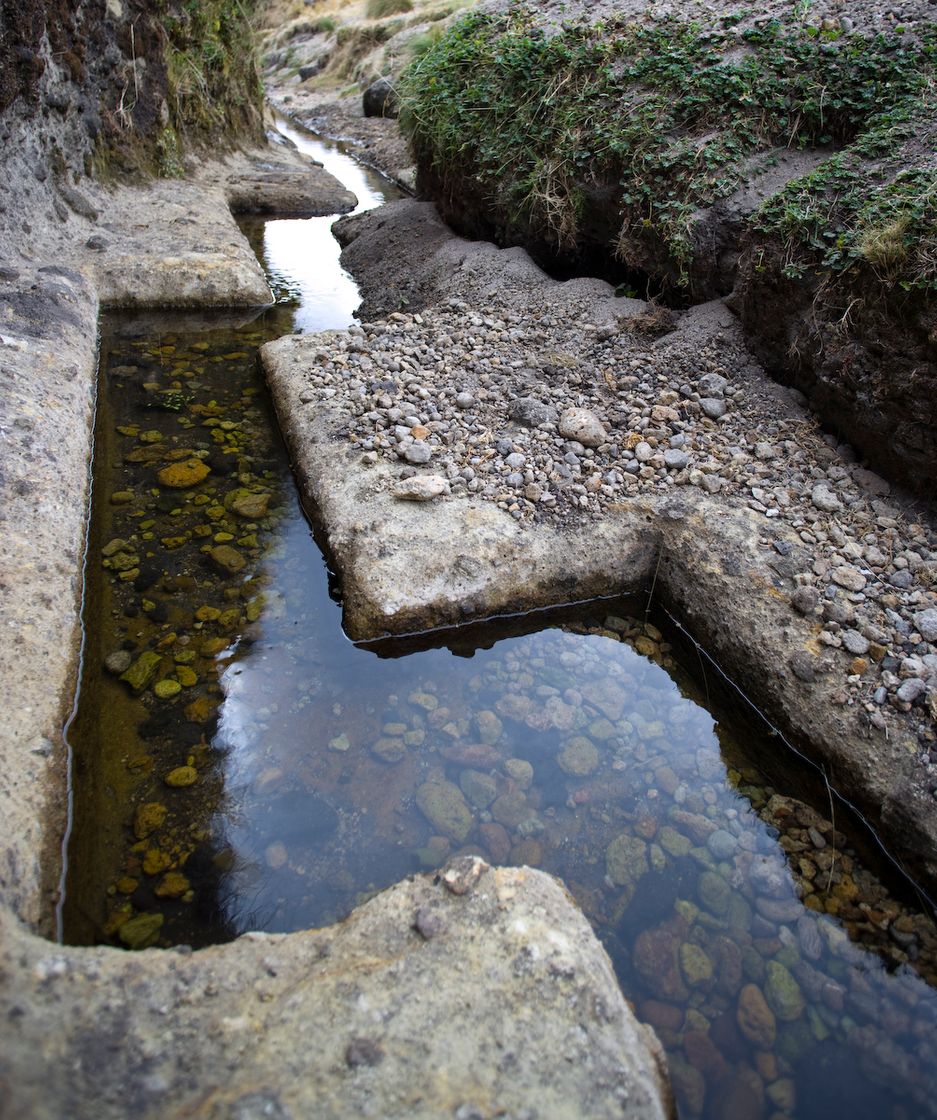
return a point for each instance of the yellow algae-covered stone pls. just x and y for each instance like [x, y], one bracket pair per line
[181, 776]
[188, 472]
[227, 559]
[200, 710]
[186, 677]
[167, 688]
[142, 931]
[155, 861]
[173, 885]
[207, 614]
[148, 818]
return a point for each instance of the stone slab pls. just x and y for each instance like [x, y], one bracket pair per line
[510, 1006]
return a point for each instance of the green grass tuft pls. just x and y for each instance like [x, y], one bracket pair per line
[380, 9]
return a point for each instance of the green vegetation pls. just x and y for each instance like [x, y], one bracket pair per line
[211, 69]
[874, 204]
[379, 9]
[424, 41]
[668, 114]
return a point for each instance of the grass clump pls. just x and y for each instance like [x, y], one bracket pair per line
[872, 206]
[380, 9]
[212, 77]
[667, 115]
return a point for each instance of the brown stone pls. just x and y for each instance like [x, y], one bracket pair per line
[661, 1016]
[656, 959]
[476, 755]
[497, 841]
[755, 1018]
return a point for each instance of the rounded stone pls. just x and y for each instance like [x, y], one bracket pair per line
[722, 844]
[166, 689]
[695, 965]
[519, 770]
[142, 931]
[626, 860]
[180, 476]
[755, 1018]
[783, 992]
[182, 776]
[228, 559]
[446, 809]
[579, 757]
[118, 662]
[583, 426]
[389, 749]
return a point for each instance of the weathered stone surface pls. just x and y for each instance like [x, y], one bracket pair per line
[287, 185]
[420, 488]
[583, 426]
[338, 1022]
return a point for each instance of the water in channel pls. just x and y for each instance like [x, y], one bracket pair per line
[239, 764]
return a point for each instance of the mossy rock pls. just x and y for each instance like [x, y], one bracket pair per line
[142, 931]
[142, 672]
[148, 818]
[626, 860]
[446, 809]
[579, 757]
[180, 476]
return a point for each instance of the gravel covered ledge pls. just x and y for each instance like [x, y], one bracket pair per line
[473, 993]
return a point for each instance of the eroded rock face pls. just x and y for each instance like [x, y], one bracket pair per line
[407, 1008]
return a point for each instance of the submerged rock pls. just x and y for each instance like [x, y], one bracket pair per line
[228, 559]
[626, 860]
[142, 931]
[755, 1018]
[783, 992]
[446, 809]
[143, 671]
[180, 476]
[579, 757]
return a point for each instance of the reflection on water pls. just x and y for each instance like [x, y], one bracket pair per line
[302, 256]
[240, 765]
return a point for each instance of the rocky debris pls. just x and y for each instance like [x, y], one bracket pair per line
[421, 488]
[531, 977]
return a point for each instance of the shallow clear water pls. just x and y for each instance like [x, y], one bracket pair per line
[269, 774]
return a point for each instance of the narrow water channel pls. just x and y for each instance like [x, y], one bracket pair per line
[240, 765]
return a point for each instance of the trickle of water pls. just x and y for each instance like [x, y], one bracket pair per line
[239, 764]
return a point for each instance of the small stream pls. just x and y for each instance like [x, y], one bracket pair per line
[238, 764]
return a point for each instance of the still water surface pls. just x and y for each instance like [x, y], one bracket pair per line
[239, 764]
